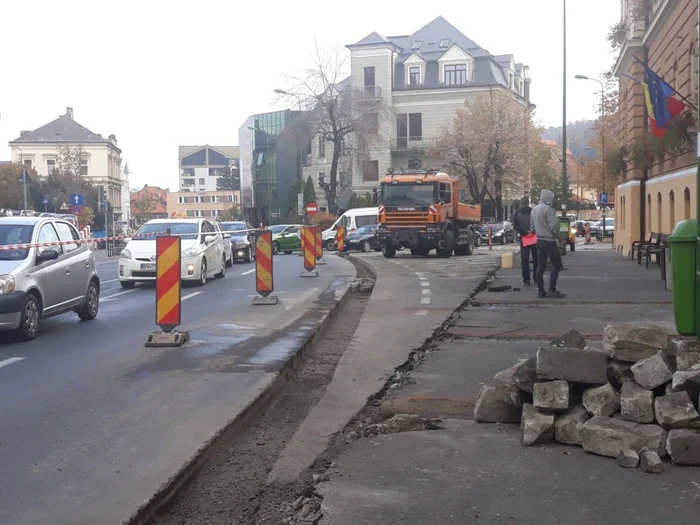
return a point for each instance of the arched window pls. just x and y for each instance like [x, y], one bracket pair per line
[648, 217]
[686, 204]
[671, 210]
[660, 215]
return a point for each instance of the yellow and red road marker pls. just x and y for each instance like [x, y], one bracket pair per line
[341, 238]
[319, 246]
[264, 271]
[308, 247]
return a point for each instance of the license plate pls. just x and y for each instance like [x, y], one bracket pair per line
[148, 267]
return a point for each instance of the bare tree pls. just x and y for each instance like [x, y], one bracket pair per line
[346, 117]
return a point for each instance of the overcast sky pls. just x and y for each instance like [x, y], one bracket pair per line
[159, 73]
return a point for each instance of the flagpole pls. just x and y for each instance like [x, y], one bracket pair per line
[688, 102]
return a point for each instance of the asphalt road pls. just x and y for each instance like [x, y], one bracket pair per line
[92, 422]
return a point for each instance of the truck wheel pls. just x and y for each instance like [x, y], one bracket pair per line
[466, 249]
[388, 250]
[448, 245]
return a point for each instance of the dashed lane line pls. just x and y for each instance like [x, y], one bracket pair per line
[190, 296]
[10, 361]
[114, 296]
[248, 272]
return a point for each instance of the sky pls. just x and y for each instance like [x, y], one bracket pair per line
[163, 73]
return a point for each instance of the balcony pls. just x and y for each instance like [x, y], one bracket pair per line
[368, 94]
[412, 143]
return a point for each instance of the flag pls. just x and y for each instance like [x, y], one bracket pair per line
[655, 129]
[661, 105]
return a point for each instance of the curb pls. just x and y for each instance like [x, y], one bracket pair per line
[169, 490]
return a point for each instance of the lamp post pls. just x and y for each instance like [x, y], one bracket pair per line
[564, 145]
[602, 135]
[24, 176]
[267, 154]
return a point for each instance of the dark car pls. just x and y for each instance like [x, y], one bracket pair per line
[242, 240]
[363, 239]
[501, 232]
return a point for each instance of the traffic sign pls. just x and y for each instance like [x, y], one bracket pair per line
[76, 210]
[311, 208]
[64, 206]
[45, 201]
[76, 199]
[603, 199]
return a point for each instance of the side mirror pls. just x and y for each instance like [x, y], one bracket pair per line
[209, 238]
[227, 235]
[47, 255]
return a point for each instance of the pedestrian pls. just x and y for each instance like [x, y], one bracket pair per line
[521, 223]
[543, 219]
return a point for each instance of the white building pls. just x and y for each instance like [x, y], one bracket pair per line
[201, 166]
[100, 158]
[419, 81]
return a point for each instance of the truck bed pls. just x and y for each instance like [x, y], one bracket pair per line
[469, 212]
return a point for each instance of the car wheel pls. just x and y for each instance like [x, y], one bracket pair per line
[203, 277]
[229, 263]
[127, 285]
[222, 273]
[366, 246]
[275, 248]
[29, 321]
[248, 256]
[331, 247]
[88, 311]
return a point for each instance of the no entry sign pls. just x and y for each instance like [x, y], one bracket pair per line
[311, 208]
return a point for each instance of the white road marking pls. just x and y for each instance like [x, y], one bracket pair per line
[114, 296]
[423, 278]
[425, 300]
[422, 312]
[190, 296]
[420, 273]
[11, 360]
[424, 283]
[248, 272]
[426, 291]
[110, 281]
[302, 297]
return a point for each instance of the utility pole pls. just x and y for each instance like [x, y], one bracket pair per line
[564, 143]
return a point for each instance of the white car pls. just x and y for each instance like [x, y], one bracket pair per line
[202, 251]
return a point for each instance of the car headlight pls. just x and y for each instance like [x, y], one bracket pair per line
[126, 254]
[241, 245]
[7, 284]
[190, 252]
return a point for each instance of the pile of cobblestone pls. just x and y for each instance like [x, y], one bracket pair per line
[635, 399]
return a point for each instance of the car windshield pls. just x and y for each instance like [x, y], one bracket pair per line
[277, 229]
[234, 227]
[495, 226]
[186, 230]
[365, 230]
[15, 234]
[422, 195]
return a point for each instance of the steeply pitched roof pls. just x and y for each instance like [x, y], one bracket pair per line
[372, 38]
[63, 129]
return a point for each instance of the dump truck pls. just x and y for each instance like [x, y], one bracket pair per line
[423, 210]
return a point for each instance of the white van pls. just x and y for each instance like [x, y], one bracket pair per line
[352, 220]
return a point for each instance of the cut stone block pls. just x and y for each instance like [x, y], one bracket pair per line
[649, 461]
[537, 426]
[636, 403]
[633, 342]
[552, 395]
[684, 446]
[498, 403]
[607, 436]
[572, 364]
[628, 458]
[619, 372]
[675, 410]
[687, 355]
[523, 374]
[567, 427]
[607, 352]
[571, 339]
[653, 371]
[686, 381]
[601, 400]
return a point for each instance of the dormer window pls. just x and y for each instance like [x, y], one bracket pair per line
[445, 42]
[417, 44]
[414, 75]
[456, 75]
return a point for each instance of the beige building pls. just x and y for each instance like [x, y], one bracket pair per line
[655, 194]
[209, 204]
[100, 158]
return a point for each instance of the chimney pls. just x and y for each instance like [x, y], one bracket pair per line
[69, 113]
[23, 133]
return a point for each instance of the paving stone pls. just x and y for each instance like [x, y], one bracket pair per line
[687, 355]
[636, 403]
[499, 403]
[571, 339]
[606, 436]
[675, 410]
[633, 342]
[567, 427]
[628, 458]
[552, 395]
[688, 380]
[684, 446]
[649, 461]
[537, 426]
[653, 371]
[601, 400]
[523, 374]
[572, 364]
[619, 372]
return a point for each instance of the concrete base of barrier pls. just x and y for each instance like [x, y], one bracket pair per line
[167, 339]
[320, 261]
[301, 254]
[270, 300]
[312, 273]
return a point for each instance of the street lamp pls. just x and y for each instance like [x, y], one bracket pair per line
[267, 154]
[24, 176]
[564, 145]
[602, 134]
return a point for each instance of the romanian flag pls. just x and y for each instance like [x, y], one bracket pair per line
[661, 105]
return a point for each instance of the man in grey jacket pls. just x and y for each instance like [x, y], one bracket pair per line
[543, 220]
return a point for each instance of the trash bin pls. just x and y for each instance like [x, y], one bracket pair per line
[683, 245]
[563, 235]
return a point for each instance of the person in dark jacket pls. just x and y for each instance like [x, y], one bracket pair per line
[521, 223]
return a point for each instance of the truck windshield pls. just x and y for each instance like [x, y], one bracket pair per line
[408, 194]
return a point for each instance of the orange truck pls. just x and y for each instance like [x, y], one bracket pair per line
[421, 210]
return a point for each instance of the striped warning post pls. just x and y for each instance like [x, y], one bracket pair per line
[264, 280]
[308, 246]
[319, 246]
[341, 238]
[168, 282]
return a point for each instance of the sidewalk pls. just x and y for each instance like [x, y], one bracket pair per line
[480, 473]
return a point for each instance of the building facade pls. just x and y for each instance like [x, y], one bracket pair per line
[653, 194]
[209, 204]
[149, 202]
[416, 83]
[100, 158]
[201, 166]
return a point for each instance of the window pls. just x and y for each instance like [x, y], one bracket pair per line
[202, 181]
[83, 167]
[50, 166]
[369, 77]
[511, 77]
[370, 170]
[188, 172]
[401, 130]
[364, 220]
[660, 215]
[414, 75]
[444, 43]
[321, 146]
[67, 233]
[417, 44]
[27, 163]
[48, 234]
[188, 182]
[205, 199]
[415, 126]
[456, 75]
[371, 122]
[180, 200]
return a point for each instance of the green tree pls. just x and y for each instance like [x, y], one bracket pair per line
[144, 205]
[309, 191]
[11, 194]
[357, 201]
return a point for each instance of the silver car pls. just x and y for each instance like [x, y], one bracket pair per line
[40, 282]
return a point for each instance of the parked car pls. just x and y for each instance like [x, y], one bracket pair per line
[226, 239]
[40, 282]
[364, 239]
[202, 252]
[501, 232]
[285, 238]
[242, 240]
[351, 219]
